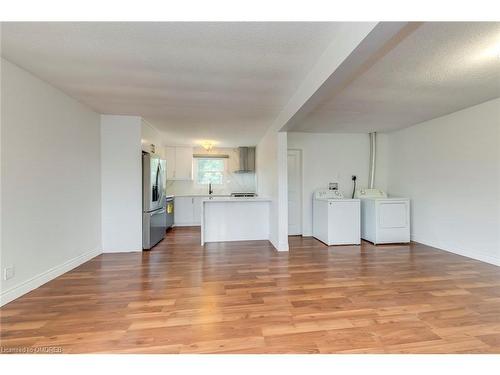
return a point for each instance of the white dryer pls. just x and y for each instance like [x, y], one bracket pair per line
[384, 220]
[336, 221]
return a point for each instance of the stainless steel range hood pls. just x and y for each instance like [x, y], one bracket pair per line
[247, 160]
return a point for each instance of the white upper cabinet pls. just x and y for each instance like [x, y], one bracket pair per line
[183, 163]
[151, 139]
[170, 157]
[179, 162]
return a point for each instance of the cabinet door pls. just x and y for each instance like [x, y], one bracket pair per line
[170, 157]
[183, 163]
[197, 210]
[183, 211]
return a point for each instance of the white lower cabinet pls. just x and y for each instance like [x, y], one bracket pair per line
[187, 211]
[197, 210]
[183, 211]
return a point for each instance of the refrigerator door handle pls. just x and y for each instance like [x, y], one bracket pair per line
[162, 182]
[158, 212]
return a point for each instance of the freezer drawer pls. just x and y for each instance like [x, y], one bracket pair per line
[153, 228]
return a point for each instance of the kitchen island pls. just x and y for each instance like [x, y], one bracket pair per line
[234, 219]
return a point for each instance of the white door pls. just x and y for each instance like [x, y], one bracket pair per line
[294, 192]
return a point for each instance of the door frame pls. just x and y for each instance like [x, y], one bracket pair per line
[301, 188]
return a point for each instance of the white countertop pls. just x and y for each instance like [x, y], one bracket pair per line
[202, 195]
[337, 199]
[234, 199]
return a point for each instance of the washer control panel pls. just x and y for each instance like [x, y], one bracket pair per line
[328, 194]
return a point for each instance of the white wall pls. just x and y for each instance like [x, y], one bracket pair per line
[272, 148]
[449, 167]
[51, 198]
[121, 183]
[271, 171]
[330, 158]
[233, 182]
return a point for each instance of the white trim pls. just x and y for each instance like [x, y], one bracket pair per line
[282, 246]
[466, 253]
[282, 165]
[134, 250]
[301, 195]
[44, 277]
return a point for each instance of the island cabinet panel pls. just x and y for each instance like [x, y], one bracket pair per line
[197, 201]
[235, 220]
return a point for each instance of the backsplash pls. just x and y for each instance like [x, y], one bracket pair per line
[233, 182]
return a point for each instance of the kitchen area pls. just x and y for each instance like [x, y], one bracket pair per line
[204, 186]
[197, 173]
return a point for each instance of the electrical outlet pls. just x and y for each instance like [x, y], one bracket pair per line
[8, 273]
[333, 186]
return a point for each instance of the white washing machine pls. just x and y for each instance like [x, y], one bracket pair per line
[336, 221]
[384, 220]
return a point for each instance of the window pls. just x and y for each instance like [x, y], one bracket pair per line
[210, 171]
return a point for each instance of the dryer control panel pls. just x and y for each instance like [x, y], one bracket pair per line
[370, 193]
[328, 194]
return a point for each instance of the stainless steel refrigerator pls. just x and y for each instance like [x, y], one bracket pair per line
[153, 200]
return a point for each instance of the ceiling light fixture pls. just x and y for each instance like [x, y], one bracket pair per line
[207, 145]
[492, 52]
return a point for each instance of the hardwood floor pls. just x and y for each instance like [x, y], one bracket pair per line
[243, 297]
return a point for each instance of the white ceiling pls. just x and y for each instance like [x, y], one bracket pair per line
[437, 69]
[221, 81]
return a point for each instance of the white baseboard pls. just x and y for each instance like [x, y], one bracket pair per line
[283, 246]
[187, 225]
[468, 254]
[137, 249]
[37, 281]
[279, 246]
